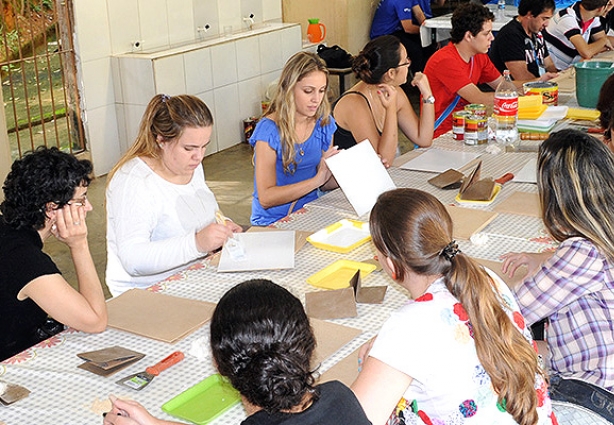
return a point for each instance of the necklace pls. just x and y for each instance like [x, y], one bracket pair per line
[303, 139]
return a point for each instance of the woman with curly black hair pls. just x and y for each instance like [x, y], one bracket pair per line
[262, 342]
[45, 194]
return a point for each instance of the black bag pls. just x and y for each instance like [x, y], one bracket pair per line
[335, 57]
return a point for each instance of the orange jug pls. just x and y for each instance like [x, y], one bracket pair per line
[315, 31]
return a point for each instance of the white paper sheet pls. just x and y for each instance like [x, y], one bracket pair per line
[528, 173]
[361, 175]
[263, 251]
[438, 161]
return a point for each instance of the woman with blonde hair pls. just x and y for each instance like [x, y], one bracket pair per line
[459, 350]
[160, 213]
[376, 107]
[291, 141]
[574, 286]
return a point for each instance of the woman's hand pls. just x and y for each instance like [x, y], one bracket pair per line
[363, 353]
[513, 260]
[213, 236]
[70, 226]
[387, 94]
[422, 82]
[128, 412]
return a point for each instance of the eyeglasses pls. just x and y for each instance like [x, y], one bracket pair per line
[80, 202]
[403, 64]
[607, 135]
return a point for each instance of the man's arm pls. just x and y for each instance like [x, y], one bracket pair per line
[549, 64]
[588, 50]
[418, 15]
[519, 70]
[473, 94]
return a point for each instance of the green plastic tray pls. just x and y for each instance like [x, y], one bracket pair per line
[203, 402]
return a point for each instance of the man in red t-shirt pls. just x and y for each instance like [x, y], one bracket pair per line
[462, 64]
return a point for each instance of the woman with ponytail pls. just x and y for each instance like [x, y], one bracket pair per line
[376, 107]
[573, 287]
[261, 340]
[459, 351]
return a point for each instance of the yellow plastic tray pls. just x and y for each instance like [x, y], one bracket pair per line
[531, 113]
[582, 114]
[343, 236]
[339, 274]
[495, 192]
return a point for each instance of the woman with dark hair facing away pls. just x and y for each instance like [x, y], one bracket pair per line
[574, 286]
[161, 215]
[459, 350]
[262, 342]
[292, 140]
[376, 107]
[45, 194]
[605, 105]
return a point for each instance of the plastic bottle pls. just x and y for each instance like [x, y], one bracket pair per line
[501, 10]
[506, 111]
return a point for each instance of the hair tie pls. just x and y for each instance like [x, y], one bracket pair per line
[450, 251]
[165, 97]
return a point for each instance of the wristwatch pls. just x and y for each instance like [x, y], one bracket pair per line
[429, 100]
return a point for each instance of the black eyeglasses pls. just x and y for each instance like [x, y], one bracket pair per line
[404, 64]
[607, 135]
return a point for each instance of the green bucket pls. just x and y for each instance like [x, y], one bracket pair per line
[590, 76]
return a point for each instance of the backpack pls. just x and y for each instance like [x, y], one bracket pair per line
[335, 56]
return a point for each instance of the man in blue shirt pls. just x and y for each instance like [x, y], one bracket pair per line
[403, 19]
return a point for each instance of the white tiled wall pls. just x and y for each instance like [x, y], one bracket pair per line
[113, 105]
[231, 77]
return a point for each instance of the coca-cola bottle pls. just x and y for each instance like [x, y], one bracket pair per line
[506, 111]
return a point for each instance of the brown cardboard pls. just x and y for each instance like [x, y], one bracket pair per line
[345, 370]
[156, 315]
[474, 189]
[330, 337]
[495, 266]
[449, 179]
[467, 221]
[108, 361]
[367, 295]
[325, 305]
[521, 203]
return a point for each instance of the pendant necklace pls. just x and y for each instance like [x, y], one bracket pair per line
[301, 152]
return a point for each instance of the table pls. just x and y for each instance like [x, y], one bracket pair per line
[63, 394]
[438, 28]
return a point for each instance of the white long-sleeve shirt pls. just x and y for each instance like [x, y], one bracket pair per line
[151, 225]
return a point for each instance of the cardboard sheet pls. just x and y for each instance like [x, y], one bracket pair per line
[345, 371]
[468, 221]
[157, 316]
[521, 203]
[326, 305]
[107, 361]
[330, 338]
[438, 160]
[263, 251]
[341, 303]
[528, 173]
[495, 266]
[361, 175]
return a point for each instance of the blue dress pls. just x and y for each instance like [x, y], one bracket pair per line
[306, 168]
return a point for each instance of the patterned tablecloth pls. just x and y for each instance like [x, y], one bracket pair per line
[62, 394]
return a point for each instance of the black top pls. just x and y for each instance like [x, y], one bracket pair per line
[513, 44]
[344, 139]
[21, 261]
[337, 405]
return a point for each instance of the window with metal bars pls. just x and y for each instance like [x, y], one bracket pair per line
[39, 81]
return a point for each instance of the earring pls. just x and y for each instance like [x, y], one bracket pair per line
[393, 275]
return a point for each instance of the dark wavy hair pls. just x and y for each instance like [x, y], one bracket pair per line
[42, 176]
[412, 228]
[262, 342]
[593, 4]
[605, 103]
[377, 57]
[575, 178]
[469, 17]
[535, 7]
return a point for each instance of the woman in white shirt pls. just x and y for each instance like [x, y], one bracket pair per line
[160, 213]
